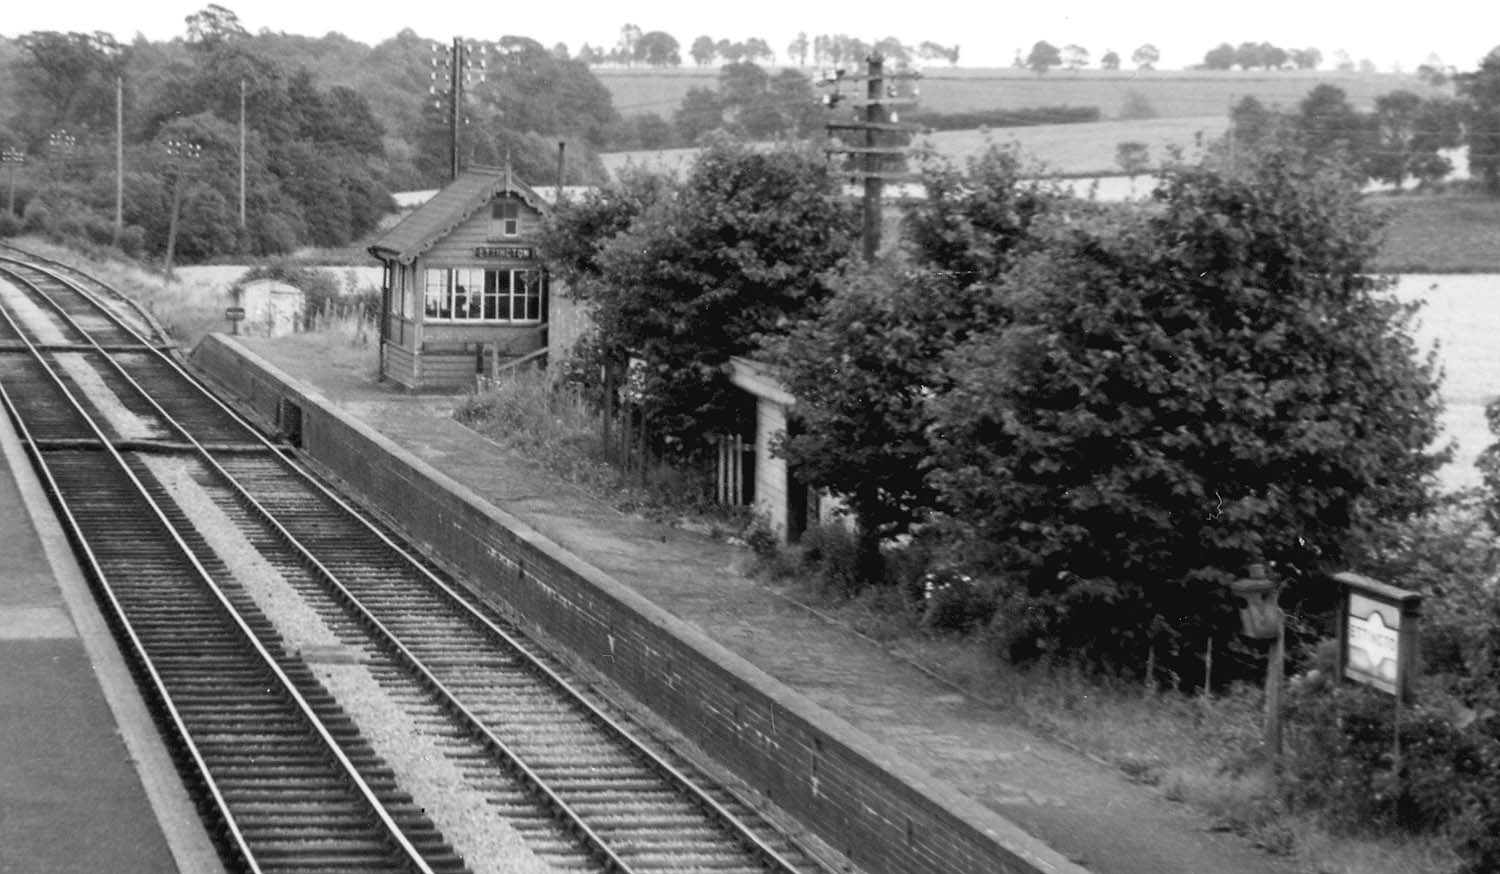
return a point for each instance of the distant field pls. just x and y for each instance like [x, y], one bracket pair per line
[1086, 149]
[1433, 234]
[1170, 93]
[1064, 149]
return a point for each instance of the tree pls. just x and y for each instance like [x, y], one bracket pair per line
[630, 34]
[1251, 124]
[701, 111]
[864, 369]
[1133, 156]
[1220, 57]
[1307, 59]
[654, 132]
[1145, 57]
[1408, 132]
[1481, 91]
[737, 254]
[1328, 125]
[213, 26]
[1076, 57]
[757, 49]
[860, 372]
[66, 81]
[730, 52]
[1177, 394]
[1110, 60]
[1250, 55]
[796, 102]
[931, 51]
[742, 83]
[894, 51]
[797, 49]
[703, 51]
[1043, 57]
[658, 49]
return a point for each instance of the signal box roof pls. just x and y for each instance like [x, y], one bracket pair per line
[474, 188]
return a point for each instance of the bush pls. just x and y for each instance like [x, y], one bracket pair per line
[955, 601]
[1175, 395]
[829, 556]
[1341, 757]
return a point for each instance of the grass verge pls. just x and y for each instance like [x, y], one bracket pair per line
[1202, 752]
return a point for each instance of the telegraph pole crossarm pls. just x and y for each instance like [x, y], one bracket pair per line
[876, 102]
[181, 152]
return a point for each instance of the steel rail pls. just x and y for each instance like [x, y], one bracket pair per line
[398, 838]
[512, 761]
[145, 315]
[711, 807]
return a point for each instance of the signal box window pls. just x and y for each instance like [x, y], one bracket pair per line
[505, 218]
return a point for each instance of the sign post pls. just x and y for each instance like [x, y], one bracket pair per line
[234, 315]
[1378, 635]
[1378, 627]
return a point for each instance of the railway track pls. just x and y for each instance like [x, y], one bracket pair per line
[337, 703]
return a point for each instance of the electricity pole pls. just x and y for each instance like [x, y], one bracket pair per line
[876, 124]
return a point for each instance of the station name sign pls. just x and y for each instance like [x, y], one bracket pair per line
[1378, 634]
[506, 253]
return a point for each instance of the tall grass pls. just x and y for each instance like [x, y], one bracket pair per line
[186, 310]
[524, 407]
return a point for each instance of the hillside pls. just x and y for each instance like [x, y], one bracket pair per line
[1169, 93]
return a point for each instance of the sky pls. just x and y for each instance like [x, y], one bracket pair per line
[988, 32]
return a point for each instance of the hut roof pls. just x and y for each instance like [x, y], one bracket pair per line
[451, 206]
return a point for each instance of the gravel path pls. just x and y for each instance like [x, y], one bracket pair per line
[488, 843]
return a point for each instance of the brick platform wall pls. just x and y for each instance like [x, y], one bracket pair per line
[851, 791]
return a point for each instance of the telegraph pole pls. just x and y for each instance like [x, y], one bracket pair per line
[12, 158]
[181, 152]
[242, 154]
[870, 154]
[459, 67]
[119, 159]
[455, 100]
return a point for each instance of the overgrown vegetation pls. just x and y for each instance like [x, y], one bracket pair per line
[1062, 427]
[532, 408]
[698, 272]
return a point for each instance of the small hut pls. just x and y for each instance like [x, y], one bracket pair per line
[464, 291]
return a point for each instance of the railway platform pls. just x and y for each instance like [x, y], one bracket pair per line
[85, 783]
[1079, 809]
